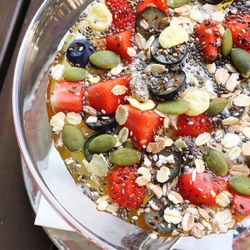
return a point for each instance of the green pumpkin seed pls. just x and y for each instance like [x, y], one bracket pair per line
[72, 138]
[105, 59]
[97, 166]
[217, 106]
[227, 43]
[241, 59]
[125, 157]
[177, 3]
[174, 171]
[174, 107]
[216, 162]
[74, 74]
[240, 184]
[102, 143]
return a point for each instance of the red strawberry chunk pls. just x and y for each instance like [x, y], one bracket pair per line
[142, 125]
[123, 189]
[67, 96]
[143, 4]
[193, 125]
[201, 189]
[122, 13]
[119, 43]
[241, 205]
[101, 97]
[209, 39]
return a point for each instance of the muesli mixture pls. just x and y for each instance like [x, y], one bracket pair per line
[149, 106]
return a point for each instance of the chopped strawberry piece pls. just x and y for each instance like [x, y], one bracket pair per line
[123, 189]
[67, 96]
[193, 125]
[142, 125]
[101, 97]
[122, 13]
[201, 189]
[240, 28]
[119, 43]
[241, 205]
[209, 39]
[160, 4]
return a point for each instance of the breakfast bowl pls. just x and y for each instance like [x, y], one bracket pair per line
[44, 171]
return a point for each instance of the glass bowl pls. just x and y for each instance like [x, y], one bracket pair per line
[44, 171]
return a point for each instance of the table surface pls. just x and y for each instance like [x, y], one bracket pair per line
[16, 215]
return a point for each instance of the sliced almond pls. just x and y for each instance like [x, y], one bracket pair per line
[172, 216]
[121, 114]
[143, 106]
[163, 174]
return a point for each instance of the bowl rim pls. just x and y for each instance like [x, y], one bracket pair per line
[16, 115]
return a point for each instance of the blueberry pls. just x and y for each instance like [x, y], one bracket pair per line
[79, 51]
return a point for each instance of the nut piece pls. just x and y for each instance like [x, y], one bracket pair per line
[73, 118]
[242, 100]
[211, 68]
[163, 174]
[240, 170]
[187, 222]
[221, 76]
[145, 177]
[102, 205]
[157, 146]
[200, 166]
[175, 197]
[121, 114]
[172, 216]
[222, 200]
[202, 139]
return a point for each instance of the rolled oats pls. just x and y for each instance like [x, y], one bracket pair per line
[73, 118]
[156, 189]
[131, 52]
[232, 82]
[172, 216]
[123, 135]
[204, 213]
[102, 205]
[175, 197]
[222, 200]
[121, 114]
[211, 68]
[155, 68]
[202, 139]
[143, 106]
[187, 222]
[230, 140]
[246, 131]
[200, 165]
[242, 100]
[144, 176]
[140, 40]
[163, 174]
[119, 90]
[234, 153]
[221, 76]
[149, 42]
[157, 146]
[246, 149]
[116, 70]
[57, 121]
[230, 121]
